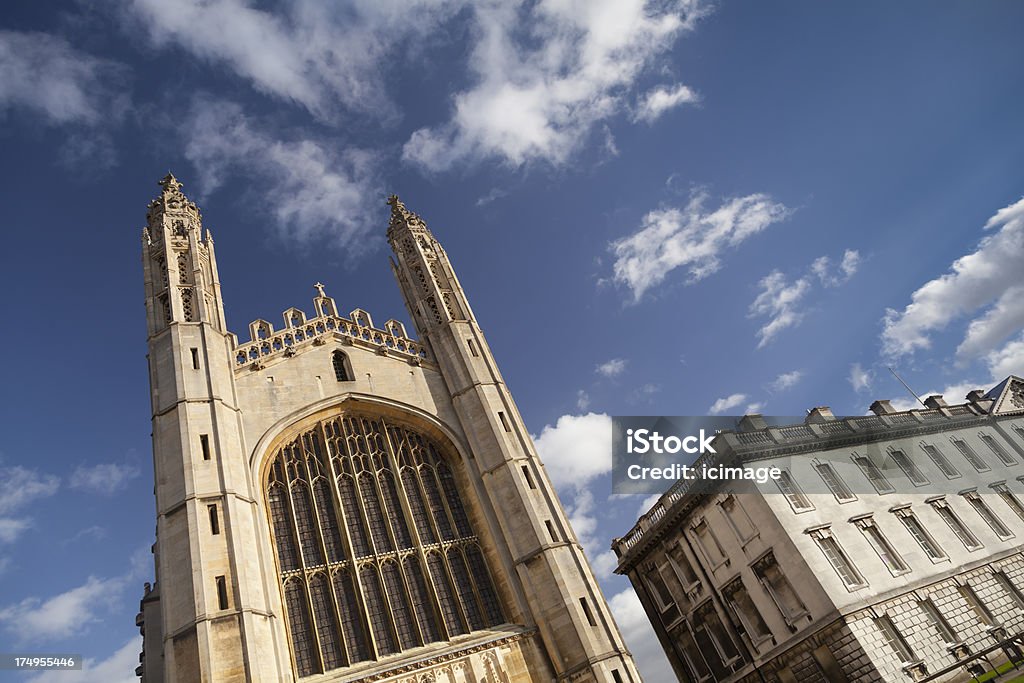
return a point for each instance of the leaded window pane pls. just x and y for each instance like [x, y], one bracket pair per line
[417, 506]
[350, 489]
[454, 502]
[351, 625]
[421, 600]
[394, 510]
[353, 518]
[307, 525]
[377, 607]
[326, 621]
[298, 622]
[400, 611]
[444, 526]
[439, 576]
[282, 523]
[374, 514]
[464, 588]
[328, 520]
[484, 586]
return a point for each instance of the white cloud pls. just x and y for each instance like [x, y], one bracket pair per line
[46, 75]
[639, 635]
[728, 403]
[582, 400]
[35, 620]
[582, 513]
[494, 194]
[314, 190]
[545, 74]
[119, 667]
[689, 237]
[103, 478]
[612, 368]
[322, 56]
[847, 268]
[11, 528]
[20, 486]
[642, 393]
[754, 408]
[659, 100]
[860, 378]
[779, 301]
[576, 449]
[991, 275]
[787, 380]
[1008, 360]
[647, 503]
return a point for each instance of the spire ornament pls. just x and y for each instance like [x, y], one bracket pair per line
[402, 217]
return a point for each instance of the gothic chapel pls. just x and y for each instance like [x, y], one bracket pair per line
[338, 501]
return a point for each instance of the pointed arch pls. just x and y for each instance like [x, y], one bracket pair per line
[375, 547]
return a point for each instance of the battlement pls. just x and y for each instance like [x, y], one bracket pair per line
[357, 329]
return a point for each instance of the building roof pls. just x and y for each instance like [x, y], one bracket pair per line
[755, 440]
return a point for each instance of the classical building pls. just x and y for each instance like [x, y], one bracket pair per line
[339, 501]
[889, 549]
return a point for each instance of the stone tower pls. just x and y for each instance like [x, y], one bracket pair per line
[337, 501]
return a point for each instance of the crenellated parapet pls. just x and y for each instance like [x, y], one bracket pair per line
[299, 332]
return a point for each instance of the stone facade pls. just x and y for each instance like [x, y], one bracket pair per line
[339, 501]
[890, 549]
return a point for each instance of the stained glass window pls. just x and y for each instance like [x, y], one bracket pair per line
[343, 499]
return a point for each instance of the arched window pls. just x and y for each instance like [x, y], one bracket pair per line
[341, 368]
[374, 546]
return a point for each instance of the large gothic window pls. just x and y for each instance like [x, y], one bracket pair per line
[375, 549]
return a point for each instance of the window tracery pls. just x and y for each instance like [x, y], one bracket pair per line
[375, 548]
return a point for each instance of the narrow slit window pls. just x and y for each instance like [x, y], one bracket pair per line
[342, 372]
[615, 676]
[195, 359]
[976, 605]
[472, 348]
[970, 456]
[528, 477]
[214, 520]
[940, 461]
[939, 623]
[998, 450]
[797, 500]
[989, 517]
[1011, 500]
[909, 467]
[204, 443]
[839, 560]
[886, 552]
[222, 592]
[1011, 589]
[835, 483]
[894, 639]
[587, 612]
[919, 534]
[960, 529]
[551, 530]
[504, 421]
[873, 474]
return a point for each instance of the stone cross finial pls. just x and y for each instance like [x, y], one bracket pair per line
[320, 289]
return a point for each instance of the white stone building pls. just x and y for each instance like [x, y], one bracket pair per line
[338, 501]
[889, 550]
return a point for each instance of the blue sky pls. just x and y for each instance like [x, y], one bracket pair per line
[675, 207]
